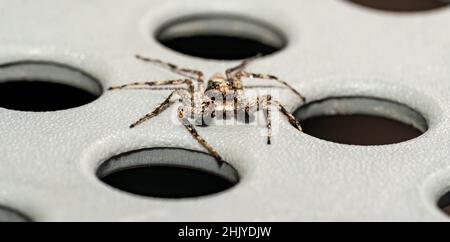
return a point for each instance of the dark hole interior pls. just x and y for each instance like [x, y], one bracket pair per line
[219, 47]
[444, 203]
[167, 182]
[402, 5]
[359, 129]
[42, 96]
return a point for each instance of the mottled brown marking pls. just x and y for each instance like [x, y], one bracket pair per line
[203, 101]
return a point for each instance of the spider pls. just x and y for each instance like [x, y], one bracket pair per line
[223, 98]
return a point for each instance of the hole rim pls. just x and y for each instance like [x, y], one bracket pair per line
[76, 78]
[422, 123]
[443, 202]
[16, 215]
[435, 185]
[276, 32]
[443, 7]
[434, 190]
[104, 169]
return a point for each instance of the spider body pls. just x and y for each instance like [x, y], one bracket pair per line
[223, 98]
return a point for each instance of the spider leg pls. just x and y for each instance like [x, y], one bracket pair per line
[190, 73]
[292, 120]
[158, 110]
[263, 87]
[229, 72]
[158, 88]
[141, 85]
[190, 127]
[267, 101]
[266, 106]
[245, 74]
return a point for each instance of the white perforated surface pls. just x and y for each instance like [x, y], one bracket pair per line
[48, 160]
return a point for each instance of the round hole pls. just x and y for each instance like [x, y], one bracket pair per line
[167, 173]
[11, 215]
[403, 5]
[361, 121]
[221, 37]
[444, 203]
[45, 86]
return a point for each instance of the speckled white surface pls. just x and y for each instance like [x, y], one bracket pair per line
[48, 160]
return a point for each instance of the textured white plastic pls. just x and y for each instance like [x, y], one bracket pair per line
[48, 160]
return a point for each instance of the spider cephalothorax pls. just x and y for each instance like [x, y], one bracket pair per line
[222, 98]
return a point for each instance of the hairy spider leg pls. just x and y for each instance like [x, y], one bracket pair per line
[268, 113]
[264, 87]
[190, 73]
[162, 107]
[266, 102]
[190, 127]
[245, 74]
[292, 120]
[229, 72]
[158, 88]
[141, 85]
